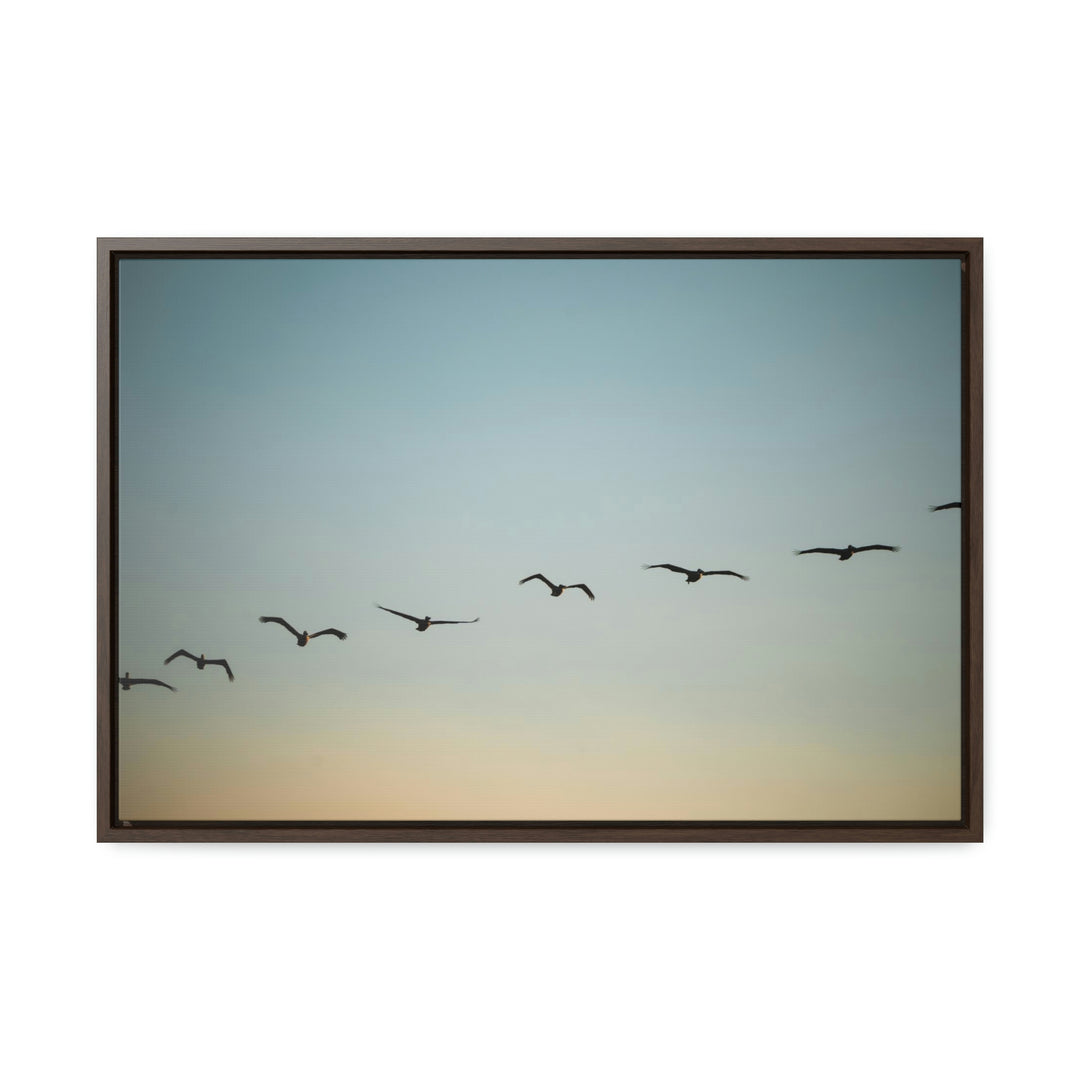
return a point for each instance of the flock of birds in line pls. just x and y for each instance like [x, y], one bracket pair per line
[303, 637]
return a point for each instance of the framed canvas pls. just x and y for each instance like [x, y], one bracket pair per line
[540, 540]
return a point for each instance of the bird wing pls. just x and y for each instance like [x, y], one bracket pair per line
[584, 588]
[877, 547]
[824, 551]
[180, 652]
[666, 566]
[946, 506]
[225, 665]
[540, 576]
[153, 682]
[733, 573]
[401, 613]
[447, 622]
[274, 618]
[330, 630]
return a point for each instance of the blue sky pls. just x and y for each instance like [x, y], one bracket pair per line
[307, 438]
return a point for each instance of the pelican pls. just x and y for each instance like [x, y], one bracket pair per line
[201, 661]
[427, 620]
[691, 575]
[558, 590]
[846, 553]
[301, 639]
[946, 506]
[127, 682]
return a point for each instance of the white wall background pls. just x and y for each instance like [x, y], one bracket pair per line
[776, 119]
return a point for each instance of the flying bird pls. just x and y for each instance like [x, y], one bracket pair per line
[558, 590]
[301, 639]
[691, 575]
[846, 553]
[201, 661]
[127, 682]
[946, 506]
[427, 620]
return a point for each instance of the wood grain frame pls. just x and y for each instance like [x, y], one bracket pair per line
[969, 828]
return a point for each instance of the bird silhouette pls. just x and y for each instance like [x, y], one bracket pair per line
[127, 682]
[946, 506]
[691, 575]
[305, 637]
[201, 661]
[427, 620]
[846, 553]
[558, 590]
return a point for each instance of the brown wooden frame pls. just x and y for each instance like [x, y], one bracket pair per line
[968, 828]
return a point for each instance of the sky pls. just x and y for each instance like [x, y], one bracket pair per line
[308, 438]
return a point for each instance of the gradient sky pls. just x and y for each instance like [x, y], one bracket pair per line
[307, 438]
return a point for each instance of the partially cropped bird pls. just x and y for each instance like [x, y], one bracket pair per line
[558, 590]
[201, 661]
[127, 682]
[946, 506]
[305, 637]
[691, 575]
[846, 553]
[427, 620]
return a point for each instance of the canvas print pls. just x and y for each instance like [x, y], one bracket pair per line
[538, 539]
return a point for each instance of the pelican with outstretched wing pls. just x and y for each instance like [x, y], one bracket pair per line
[692, 575]
[305, 637]
[427, 620]
[201, 661]
[127, 682]
[946, 506]
[558, 590]
[845, 553]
